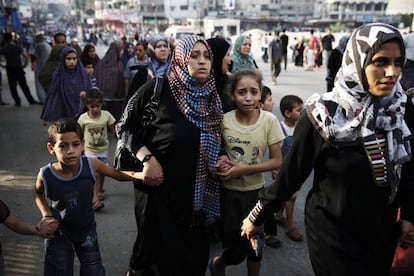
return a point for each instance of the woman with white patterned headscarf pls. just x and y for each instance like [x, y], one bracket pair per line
[355, 139]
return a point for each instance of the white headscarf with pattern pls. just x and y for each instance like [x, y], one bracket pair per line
[350, 113]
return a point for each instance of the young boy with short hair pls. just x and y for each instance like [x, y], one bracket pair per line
[290, 107]
[68, 186]
[90, 70]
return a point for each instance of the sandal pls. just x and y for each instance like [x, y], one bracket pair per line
[294, 234]
[98, 205]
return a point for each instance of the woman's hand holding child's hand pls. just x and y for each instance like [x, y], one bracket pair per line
[222, 166]
[233, 170]
[153, 173]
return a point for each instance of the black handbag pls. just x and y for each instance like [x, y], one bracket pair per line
[125, 159]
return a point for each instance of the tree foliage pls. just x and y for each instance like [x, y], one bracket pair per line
[337, 27]
[407, 19]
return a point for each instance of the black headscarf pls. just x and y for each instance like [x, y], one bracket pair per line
[220, 46]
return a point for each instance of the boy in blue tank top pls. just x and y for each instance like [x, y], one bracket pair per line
[64, 192]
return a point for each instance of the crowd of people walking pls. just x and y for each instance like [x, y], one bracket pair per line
[204, 133]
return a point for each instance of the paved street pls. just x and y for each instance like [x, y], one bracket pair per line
[23, 152]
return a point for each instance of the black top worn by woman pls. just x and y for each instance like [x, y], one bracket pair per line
[171, 139]
[355, 142]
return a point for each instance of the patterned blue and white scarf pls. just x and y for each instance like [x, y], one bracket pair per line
[200, 104]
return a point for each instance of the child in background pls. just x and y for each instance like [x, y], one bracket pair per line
[95, 124]
[290, 107]
[270, 227]
[247, 133]
[67, 185]
[90, 70]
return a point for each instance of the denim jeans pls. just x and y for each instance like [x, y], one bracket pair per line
[59, 255]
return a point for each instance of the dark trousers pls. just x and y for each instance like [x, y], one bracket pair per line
[16, 75]
[59, 255]
[275, 70]
[285, 59]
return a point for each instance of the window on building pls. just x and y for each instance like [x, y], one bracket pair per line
[359, 7]
[378, 7]
[184, 8]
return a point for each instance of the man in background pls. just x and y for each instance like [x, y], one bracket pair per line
[327, 42]
[14, 69]
[285, 41]
[407, 79]
[41, 52]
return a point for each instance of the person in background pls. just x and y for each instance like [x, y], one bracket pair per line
[75, 44]
[327, 41]
[334, 62]
[310, 51]
[128, 53]
[123, 42]
[290, 107]
[46, 72]
[160, 54]
[221, 62]
[40, 55]
[407, 78]
[90, 70]
[352, 139]
[15, 71]
[59, 39]
[285, 42]
[270, 226]
[69, 82]
[109, 75]
[221, 49]
[96, 123]
[242, 57]
[275, 55]
[189, 115]
[247, 133]
[136, 71]
[89, 52]
[265, 46]
[1, 90]
[299, 48]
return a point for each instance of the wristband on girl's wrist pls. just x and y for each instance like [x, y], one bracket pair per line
[254, 213]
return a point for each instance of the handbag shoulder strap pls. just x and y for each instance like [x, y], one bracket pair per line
[159, 82]
[152, 106]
